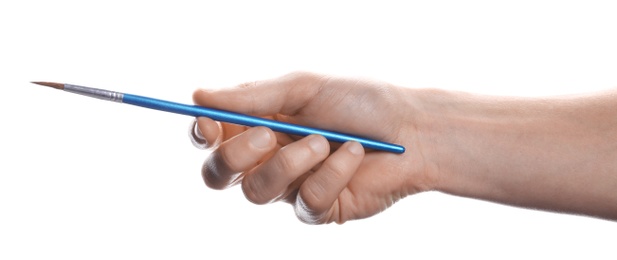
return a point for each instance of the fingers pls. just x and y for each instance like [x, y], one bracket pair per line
[236, 155]
[317, 195]
[284, 95]
[284, 172]
[272, 178]
[208, 126]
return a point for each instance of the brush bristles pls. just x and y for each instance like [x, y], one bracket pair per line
[50, 84]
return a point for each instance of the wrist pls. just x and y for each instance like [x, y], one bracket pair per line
[423, 127]
[453, 132]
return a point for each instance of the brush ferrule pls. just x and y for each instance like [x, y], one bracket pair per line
[94, 92]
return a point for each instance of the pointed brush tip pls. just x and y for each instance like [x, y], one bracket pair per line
[49, 84]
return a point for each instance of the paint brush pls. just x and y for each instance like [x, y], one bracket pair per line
[222, 115]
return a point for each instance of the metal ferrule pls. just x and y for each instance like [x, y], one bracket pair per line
[94, 92]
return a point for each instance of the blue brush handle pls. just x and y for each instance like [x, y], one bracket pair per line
[246, 120]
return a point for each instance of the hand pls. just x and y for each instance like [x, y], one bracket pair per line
[325, 182]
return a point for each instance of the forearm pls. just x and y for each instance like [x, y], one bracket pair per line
[555, 153]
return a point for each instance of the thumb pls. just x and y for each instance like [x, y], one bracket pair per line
[285, 95]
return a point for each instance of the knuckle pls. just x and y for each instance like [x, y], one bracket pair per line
[226, 157]
[302, 75]
[248, 85]
[249, 101]
[306, 214]
[215, 173]
[252, 190]
[312, 200]
[284, 162]
[336, 171]
[210, 173]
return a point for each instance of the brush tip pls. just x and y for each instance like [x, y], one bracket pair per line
[49, 84]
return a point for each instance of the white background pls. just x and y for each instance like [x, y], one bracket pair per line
[87, 179]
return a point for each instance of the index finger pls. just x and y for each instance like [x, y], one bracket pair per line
[284, 95]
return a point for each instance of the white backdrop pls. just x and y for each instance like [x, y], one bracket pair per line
[87, 179]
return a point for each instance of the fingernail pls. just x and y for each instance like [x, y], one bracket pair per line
[260, 138]
[198, 133]
[196, 137]
[317, 144]
[355, 148]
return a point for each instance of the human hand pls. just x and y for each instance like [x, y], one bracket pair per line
[325, 182]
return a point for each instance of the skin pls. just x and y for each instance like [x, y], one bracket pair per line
[555, 153]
